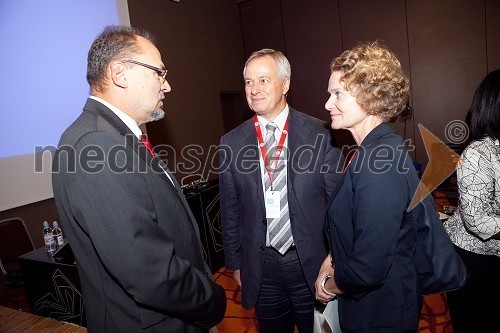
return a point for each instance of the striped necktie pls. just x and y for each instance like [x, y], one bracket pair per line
[280, 231]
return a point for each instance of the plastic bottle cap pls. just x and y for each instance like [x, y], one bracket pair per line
[45, 224]
[56, 225]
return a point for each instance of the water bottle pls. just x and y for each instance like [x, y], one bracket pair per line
[58, 235]
[48, 237]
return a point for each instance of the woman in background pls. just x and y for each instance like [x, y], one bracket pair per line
[475, 226]
[372, 236]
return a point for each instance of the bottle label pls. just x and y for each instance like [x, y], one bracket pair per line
[49, 239]
[60, 240]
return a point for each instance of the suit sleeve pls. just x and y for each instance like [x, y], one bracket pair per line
[116, 209]
[229, 209]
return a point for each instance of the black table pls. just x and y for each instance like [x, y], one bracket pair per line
[203, 199]
[52, 286]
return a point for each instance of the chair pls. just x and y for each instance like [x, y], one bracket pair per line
[14, 241]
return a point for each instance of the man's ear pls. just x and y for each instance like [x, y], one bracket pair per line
[118, 74]
[286, 85]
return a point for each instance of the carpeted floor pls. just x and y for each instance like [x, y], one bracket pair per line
[434, 317]
[237, 319]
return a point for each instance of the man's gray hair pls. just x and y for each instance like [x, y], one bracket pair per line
[284, 68]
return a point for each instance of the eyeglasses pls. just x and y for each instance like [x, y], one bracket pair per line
[162, 73]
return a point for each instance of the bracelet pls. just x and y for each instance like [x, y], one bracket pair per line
[329, 293]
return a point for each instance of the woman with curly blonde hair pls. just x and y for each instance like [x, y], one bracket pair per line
[371, 269]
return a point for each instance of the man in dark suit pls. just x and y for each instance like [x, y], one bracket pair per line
[134, 237]
[273, 199]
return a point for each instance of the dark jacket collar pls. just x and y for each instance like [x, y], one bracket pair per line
[103, 111]
[376, 133]
[95, 106]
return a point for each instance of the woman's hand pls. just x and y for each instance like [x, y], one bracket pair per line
[325, 270]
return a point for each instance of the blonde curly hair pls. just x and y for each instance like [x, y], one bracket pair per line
[373, 74]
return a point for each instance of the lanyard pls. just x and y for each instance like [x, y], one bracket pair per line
[350, 159]
[263, 150]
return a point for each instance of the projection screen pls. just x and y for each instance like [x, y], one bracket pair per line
[43, 88]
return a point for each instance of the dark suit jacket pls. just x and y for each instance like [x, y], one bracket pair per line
[312, 176]
[135, 240]
[373, 238]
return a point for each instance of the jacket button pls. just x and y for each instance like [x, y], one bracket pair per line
[264, 221]
[328, 229]
[262, 248]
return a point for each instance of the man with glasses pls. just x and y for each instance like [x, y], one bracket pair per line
[135, 239]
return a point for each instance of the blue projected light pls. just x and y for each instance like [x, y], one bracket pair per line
[43, 63]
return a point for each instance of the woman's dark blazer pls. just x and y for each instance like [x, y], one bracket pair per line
[373, 239]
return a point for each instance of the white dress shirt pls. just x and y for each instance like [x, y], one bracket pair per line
[279, 121]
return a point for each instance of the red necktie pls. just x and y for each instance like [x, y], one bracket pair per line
[147, 143]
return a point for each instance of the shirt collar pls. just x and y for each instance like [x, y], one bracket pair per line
[279, 121]
[131, 124]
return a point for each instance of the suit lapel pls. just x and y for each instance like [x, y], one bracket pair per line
[131, 140]
[249, 141]
[159, 167]
[297, 137]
